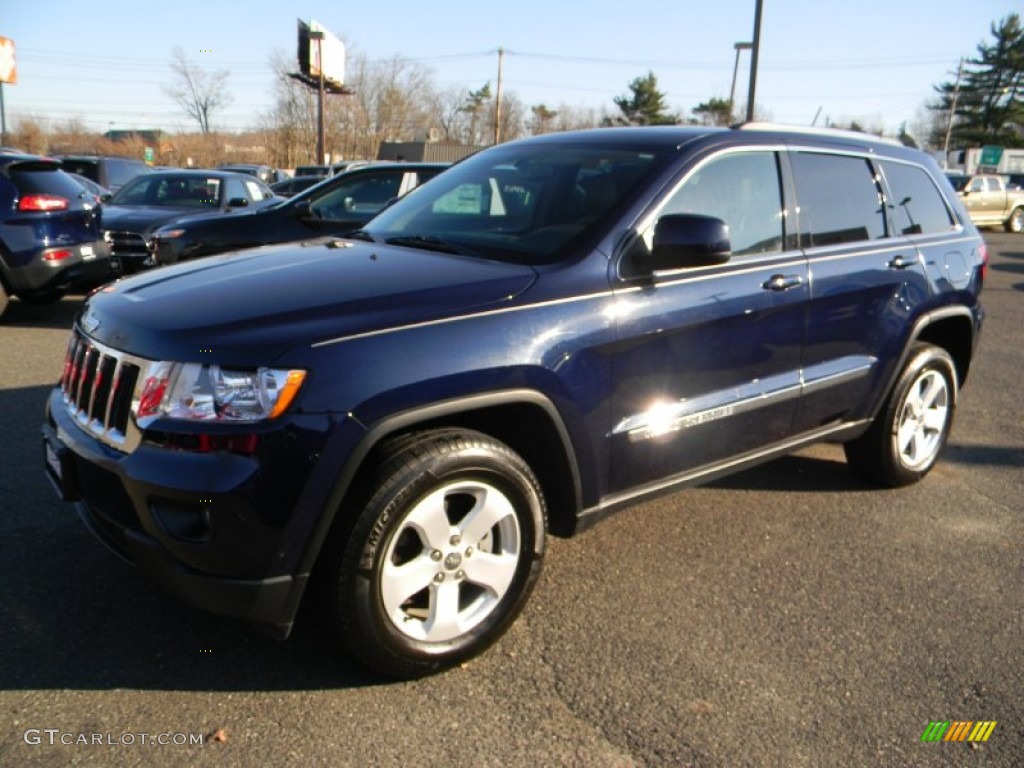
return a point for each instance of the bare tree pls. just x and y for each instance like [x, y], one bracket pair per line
[196, 91]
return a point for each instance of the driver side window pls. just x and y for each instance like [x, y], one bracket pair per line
[743, 190]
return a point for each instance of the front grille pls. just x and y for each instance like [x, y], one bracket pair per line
[126, 245]
[98, 384]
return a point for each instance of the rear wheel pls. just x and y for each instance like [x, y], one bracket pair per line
[4, 298]
[1016, 221]
[909, 433]
[441, 557]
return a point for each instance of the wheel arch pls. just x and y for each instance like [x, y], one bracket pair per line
[953, 330]
[525, 420]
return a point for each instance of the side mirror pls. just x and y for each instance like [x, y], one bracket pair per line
[106, 197]
[687, 240]
[303, 209]
[238, 202]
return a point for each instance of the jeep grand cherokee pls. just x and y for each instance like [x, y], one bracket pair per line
[550, 330]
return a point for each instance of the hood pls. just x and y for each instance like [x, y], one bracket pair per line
[142, 219]
[247, 308]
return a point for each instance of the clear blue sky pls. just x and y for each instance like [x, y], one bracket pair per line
[870, 60]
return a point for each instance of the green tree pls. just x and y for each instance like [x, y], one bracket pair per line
[990, 102]
[714, 112]
[644, 105]
[476, 105]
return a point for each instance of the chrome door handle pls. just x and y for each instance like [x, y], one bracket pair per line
[782, 282]
[901, 262]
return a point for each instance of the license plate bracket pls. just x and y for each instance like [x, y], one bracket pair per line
[58, 463]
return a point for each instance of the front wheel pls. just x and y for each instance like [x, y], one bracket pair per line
[908, 435]
[1016, 221]
[441, 557]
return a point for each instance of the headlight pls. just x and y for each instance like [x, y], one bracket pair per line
[168, 234]
[195, 392]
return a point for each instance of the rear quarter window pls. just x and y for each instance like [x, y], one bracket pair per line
[917, 205]
[840, 200]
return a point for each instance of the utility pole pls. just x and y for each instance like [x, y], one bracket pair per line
[952, 112]
[497, 99]
[753, 62]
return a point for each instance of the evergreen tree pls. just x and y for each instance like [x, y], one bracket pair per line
[645, 105]
[990, 102]
[714, 112]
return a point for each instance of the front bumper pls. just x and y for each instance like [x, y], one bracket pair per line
[206, 527]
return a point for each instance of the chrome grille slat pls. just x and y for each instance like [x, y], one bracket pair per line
[98, 386]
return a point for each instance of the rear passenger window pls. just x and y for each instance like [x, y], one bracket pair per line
[840, 201]
[917, 205]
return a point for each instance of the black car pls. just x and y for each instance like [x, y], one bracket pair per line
[264, 173]
[330, 170]
[336, 205]
[108, 171]
[293, 186]
[100, 193]
[151, 201]
[49, 231]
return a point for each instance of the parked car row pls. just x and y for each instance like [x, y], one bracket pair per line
[163, 216]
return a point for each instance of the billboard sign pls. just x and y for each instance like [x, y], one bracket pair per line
[326, 55]
[8, 64]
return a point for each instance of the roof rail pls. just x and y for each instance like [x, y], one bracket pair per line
[784, 128]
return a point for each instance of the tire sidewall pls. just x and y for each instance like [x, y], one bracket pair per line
[381, 522]
[927, 359]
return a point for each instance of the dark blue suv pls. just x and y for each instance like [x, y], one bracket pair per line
[550, 330]
[50, 237]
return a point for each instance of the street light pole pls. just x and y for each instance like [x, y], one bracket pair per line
[753, 62]
[735, 69]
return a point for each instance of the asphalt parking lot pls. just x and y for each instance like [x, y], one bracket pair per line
[787, 616]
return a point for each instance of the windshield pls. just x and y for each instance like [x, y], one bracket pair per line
[173, 191]
[529, 203]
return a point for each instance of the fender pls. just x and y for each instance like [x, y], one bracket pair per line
[404, 420]
[922, 323]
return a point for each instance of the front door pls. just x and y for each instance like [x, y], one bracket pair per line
[707, 364]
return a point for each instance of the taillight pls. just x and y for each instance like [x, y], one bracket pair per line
[983, 252]
[58, 255]
[43, 203]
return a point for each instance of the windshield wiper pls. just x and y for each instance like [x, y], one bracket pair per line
[429, 243]
[361, 234]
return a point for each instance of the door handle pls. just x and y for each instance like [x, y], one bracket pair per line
[901, 262]
[782, 282]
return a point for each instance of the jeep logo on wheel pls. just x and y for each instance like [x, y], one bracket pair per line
[453, 561]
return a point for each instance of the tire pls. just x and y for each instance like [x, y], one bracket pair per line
[4, 298]
[910, 431]
[1016, 221]
[442, 556]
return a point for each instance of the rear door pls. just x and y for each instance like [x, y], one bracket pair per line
[707, 363]
[866, 282]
